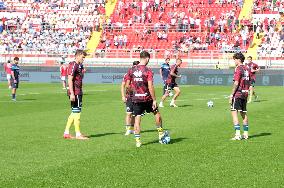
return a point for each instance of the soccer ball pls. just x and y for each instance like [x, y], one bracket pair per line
[166, 138]
[210, 104]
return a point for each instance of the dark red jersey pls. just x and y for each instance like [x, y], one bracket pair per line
[76, 70]
[139, 76]
[172, 79]
[127, 92]
[252, 66]
[243, 77]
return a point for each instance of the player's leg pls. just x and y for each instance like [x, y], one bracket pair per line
[63, 79]
[177, 93]
[245, 124]
[9, 81]
[14, 90]
[165, 95]
[138, 110]
[69, 123]
[77, 118]
[128, 123]
[137, 130]
[235, 106]
[159, 124]
[129, 119]
[250, 93]
[244, 117]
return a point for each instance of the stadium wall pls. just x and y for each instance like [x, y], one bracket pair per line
[114, 75]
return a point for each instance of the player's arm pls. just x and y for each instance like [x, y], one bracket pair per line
[13, 75]
[256, 69]
[234, 89]
[174, 74]
[122, 91]
[161, 72]
[152, 93]
[70, 84]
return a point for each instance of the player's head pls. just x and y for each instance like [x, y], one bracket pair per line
[61, 63]
[178, 62]
[16, 60]
[135, 63]
[167, 60]
[80, 56]
[8, 61]
[249, 59]
[239, 58]
[144, 57]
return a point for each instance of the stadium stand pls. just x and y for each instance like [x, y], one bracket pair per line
[174, 27]
[48, 27]
[203, 29]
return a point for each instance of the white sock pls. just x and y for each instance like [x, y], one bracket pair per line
[66, 132]
[78, 134]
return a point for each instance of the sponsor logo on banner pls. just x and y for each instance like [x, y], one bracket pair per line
[210, 80]
[265, 80]
[183, 79]
[230, 80]
[112, 78]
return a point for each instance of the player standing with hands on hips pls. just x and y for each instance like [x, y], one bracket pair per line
[238, 97]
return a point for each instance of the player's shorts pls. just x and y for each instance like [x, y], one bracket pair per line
[252, 82]
[14, 85]
[8, 77]
[239, 104]
[140, 108]
[76, 105]
[171, 86]
[129, 106]
[63, 78]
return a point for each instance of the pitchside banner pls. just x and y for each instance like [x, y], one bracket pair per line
[189, 77]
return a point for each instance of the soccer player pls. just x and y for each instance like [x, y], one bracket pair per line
[126, 98]
[15, 74]
[164, 73]
[172, 85]
[7, 68]
[143, 98]
[63, 74]
[75, 93]
[253, 68]
[238, 97]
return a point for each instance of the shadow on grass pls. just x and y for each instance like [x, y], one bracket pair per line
[173, 141]
[259, 135]
[149, 131]
[29, 99]
[185, 105]
[100, 135]
[264, 100]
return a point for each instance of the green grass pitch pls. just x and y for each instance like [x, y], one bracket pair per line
[34, 154]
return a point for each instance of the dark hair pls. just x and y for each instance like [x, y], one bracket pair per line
[16, 58]
[168, 58]
[179, 59]
[61, 62]
[250, 57]
[135, 63]
[80, 52]
[239, 56]
[144, 55]
[8, 61]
